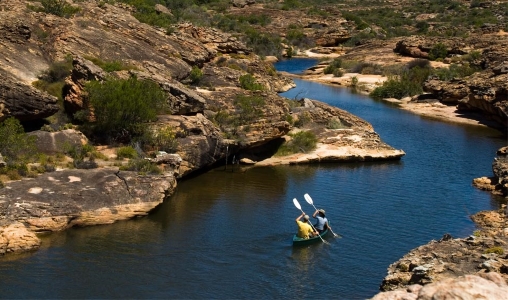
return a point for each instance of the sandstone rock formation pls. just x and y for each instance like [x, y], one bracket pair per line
[483, 252]
[484, 91]
[485, 286]
[59, 200]
[497, 184]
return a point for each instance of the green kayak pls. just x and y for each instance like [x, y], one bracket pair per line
[301, 242]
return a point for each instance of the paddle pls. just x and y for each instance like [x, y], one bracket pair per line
[297, 204]
[309, 200]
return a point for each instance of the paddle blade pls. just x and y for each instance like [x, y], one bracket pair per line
[295, 202]
[308, 199]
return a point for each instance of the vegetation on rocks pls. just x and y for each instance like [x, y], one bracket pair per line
[300, 142]
[17, 147]
[59, 8]
[122, 108]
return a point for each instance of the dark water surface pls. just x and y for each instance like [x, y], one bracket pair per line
[227, 233]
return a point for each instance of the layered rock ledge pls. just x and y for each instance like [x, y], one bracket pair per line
[59, 200]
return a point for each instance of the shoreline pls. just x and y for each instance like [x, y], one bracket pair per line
[367, 83]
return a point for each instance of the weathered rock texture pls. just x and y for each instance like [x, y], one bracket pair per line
[485, 286]
[497, 184]
[485, 91]
[58, 200]
[484, 252]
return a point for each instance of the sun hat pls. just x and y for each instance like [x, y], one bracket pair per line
[306, 217]
[321, 211]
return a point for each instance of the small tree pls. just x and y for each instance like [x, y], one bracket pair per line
[195, 75]
[438, 51]
[59, 8]
[15, 145]
[248, 82]
[123, 107]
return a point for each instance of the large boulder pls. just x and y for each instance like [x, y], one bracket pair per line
[23, 101]
[16, 238]
[62, 199]
[485, 286]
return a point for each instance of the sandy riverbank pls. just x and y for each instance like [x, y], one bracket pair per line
[366, 83]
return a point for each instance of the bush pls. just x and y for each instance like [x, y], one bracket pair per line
[335, 123]
[418, 62]
[303, 119]
[333, 66]
[195, 75]
[52, 80]
[497, 250]
[58, 8]
[15, 145]
[126, 152]
[438, 51]
[165, 140]
[250, 107]
[455, 71]
[142, 166]
[393, 88]
[248, 82]
[123, 107]
[301, 142]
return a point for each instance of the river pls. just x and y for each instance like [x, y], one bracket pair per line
[227, 233]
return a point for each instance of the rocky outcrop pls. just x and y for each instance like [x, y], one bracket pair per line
[23, 101]
[420, 46]
[484, 286]
[59, 141]
[483, 92]
[62, 199]
[59, 200]
[323, 31]
[16, 238]
[483, 252]
[497, 184]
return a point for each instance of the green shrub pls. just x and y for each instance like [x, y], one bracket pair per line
[301, 142]
[455, 71]
[335, 123]
[303, 119]
[145, 13]
[195, 75]
[393, 88]
[249, 107]
[126, 152]
[333, 66]
[367, 68]
[142, 166]
[13, 174]
[354, 81]
[248, 82]
[15, 145]
[418, 62]
[123, 107]
[109, 66]
[59, 8]
[53, 80]
[438, 51]
[165, 140]
[497, 250]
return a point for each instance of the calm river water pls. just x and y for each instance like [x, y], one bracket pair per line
[227, 233]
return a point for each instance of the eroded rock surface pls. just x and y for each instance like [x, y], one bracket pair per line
[58, 200]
